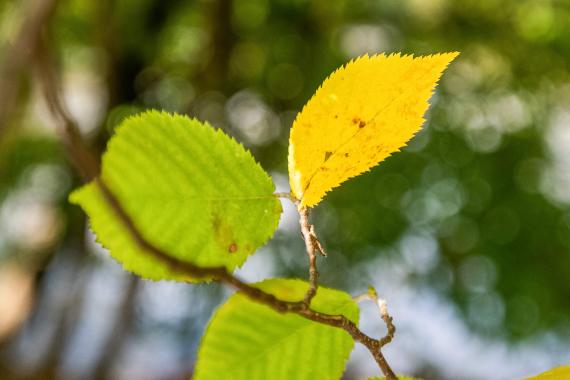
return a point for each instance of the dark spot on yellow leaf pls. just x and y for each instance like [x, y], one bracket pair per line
[358, 121]
[346, 155]
[232, 248]
[336, 116]
[328, 155]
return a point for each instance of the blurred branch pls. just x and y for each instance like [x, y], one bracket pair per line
[58, 302]
[68, 313]
[88, 166]
[222, 38]
[119, 331]
[80, 155]
[19, 55]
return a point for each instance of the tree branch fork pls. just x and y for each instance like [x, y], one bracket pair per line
[88, 167]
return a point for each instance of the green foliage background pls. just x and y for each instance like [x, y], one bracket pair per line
[487, 180]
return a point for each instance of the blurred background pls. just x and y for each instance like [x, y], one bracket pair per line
[466, 233]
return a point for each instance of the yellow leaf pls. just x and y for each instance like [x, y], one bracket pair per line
[559, 373]
[364, 112]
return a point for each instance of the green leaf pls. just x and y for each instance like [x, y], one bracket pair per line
[557, 373]
[190, 190]
[247, 340]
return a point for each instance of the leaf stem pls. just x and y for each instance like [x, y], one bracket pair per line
[285, 195]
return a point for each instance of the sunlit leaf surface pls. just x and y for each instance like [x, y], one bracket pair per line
[190, 189]
[249, 341]
[362, 113]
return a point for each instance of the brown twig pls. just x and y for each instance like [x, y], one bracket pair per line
[312, 246]
[372, 295]
[88, 166]
[389, 321]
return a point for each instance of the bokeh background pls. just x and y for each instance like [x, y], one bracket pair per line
[466, 233]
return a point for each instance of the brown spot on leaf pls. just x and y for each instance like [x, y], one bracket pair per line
[346, 155]
[223, 233]
[358, 121]
[328, 155]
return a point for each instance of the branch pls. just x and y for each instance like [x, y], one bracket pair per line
[312, 246]
[88, 166]
[372, 295]
[18, 56]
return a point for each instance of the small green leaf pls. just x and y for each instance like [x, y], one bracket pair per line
[190, 190]
[247, 340]
[558, 373]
